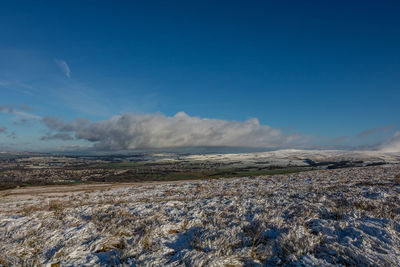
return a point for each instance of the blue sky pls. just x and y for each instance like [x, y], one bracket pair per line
[325, 72]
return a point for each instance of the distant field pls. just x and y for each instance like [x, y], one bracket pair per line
[31, 169]
[116, 165]
[151, 173]
[140, 171]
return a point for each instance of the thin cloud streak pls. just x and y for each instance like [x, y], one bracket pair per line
[62, 64]
[21, 113]
[376, 130]
[57, 136]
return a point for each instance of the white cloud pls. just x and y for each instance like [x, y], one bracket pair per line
[135, 131]
[63, 67]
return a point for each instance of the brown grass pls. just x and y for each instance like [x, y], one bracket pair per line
[112, 244]
[3, 262]
[397, 179]
[173, 231]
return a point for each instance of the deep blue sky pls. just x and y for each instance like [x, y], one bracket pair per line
[328, 69]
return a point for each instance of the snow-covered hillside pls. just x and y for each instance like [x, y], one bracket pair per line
[296, 157]
[317, 218]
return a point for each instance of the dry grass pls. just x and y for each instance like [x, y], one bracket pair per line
[397, 179]
[276, 220]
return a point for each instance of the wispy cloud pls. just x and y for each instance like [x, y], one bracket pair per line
[12, 135]
[136, 131]
[376, 130]
[3, 130]
[21, 113]
[17, 86]
[63, 67]
[57, 136]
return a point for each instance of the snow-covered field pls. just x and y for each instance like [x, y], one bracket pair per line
[317, 218]
[295, 157]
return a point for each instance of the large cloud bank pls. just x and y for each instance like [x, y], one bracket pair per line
[136, 131]
[393, 144]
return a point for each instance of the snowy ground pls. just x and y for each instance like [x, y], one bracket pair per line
[317, 218]
[295, 157]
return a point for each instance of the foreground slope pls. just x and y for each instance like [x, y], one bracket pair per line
[320, 218]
